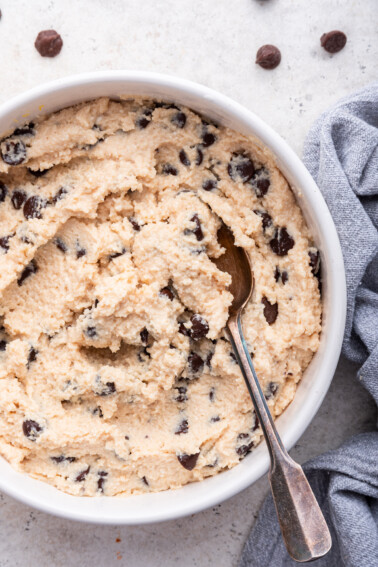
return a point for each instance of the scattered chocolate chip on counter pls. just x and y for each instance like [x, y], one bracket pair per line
[268, 57]
[333, 41]
[48, 43]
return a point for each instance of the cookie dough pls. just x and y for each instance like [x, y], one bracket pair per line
[116, 375]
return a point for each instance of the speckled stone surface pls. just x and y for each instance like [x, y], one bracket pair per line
[213, 42]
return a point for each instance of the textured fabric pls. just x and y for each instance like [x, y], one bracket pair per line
[341, 153]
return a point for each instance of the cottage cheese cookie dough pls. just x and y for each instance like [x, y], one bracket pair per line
[116, 376]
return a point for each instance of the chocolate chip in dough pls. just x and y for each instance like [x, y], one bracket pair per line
[271, 390]
[167, 292]
[188, 461]
[80, 250]
[61, 193]
[144, 336]
[184, 330]
[18, 198]
[91, 332]
[32, 356]
[142, 122]
[31, 268]
[214, 419]
[33, 207]
[38, 172]
[13, 152]
[3, 191]
[182, 428]
[27, 130]
[333, 41]
[283, 276]
[268, 56]
[314, 261]
[61, 245]
[117, 254]
[212, 395]
[209, 184]
[195, 363]
[82, 475]
[282, 242]
[197, 231]
[241, 167]
[31, 429]
[270, 310]
[183, 157]
[199, 156]
[101, 480]
[104, 388]
[63, 459]
[179, 119]
[208, 138]
[266, 219]
[4, 242]
[145, 481]
[243, 450]
[169, 169]
[3, 345]
[181, 396]
[48, 43]
[260, 182]
[134, 223]
[200, 327]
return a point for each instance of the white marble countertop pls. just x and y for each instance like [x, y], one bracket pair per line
[213, 42]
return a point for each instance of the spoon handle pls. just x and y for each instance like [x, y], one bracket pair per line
[304, 529]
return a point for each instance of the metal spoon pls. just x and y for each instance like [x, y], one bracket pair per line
[302, 523]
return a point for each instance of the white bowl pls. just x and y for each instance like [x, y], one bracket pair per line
[317, 378]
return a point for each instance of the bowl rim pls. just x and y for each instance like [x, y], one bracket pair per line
[66, 506]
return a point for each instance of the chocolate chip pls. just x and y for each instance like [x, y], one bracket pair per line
[33, 207]
[143, 354]
[81, 476]
[183, 157]
[3, 345]
[117, 254]
[60, 245]
[265, 218]
[199, 156]
[314, 261]
[268, 57]
[48, 43]
[31, 429]
[212, 394]
[182, 428]
[4, 242]
[278, 275]
[208, 139]
[63, 459]
[200, 327]
[179, 119]
[184, 330]
[282, 242]
[169, 169]
[167, 292]
[91, 332]
[103, 388]
[38, 172]
[27, 130]
[209, 184]
[101, 480]
[18, 198]
[208, 359]
[3, 191]
[270, 310]
[241, 167]
[197, 231]
[260, 182]
[271, 390]
[80, 251]
[145, 481]
[13, 152]
[188, 461]
[31, 268]
[214, 419]
[181, 397]
[333, 41]
[195, 363]
[284, 277]
[134, 223]
[59, 195]
[32, 356]
[142, 122]
[144, 336]
[243, 450]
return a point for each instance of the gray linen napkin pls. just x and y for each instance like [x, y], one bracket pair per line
[341, 153]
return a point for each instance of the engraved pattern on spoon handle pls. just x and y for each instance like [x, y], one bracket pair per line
[302, 523]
